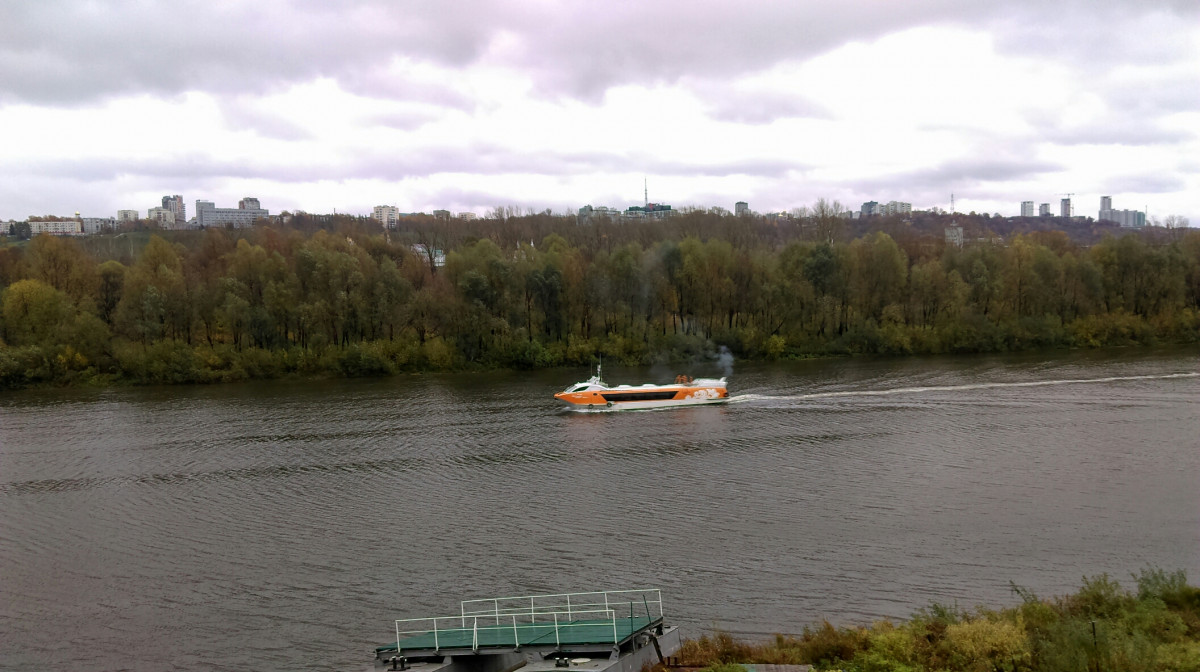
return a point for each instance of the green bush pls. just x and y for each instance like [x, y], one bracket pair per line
[1100, 627]
[358, 361]
[775, 347]
[437, 355]
[890, 650]
[1100, 597]
[983, 645]
[161, 363]
[826, 645]
[20, 366]
[1118, 328]
[1180, 657]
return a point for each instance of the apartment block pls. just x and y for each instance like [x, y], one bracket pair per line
[208, 214]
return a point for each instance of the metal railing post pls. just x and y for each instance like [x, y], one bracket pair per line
[516, 637]
[397, 638]
[557, 644]
[613, 615]
[436, 646]
[475, 634]
[569, 607]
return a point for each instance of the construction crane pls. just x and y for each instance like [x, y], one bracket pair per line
[1070, 202]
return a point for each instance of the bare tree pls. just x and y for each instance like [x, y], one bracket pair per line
[1174, 225]
[828, 220]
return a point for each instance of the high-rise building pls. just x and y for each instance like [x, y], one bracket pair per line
[1044, 210]
[897, 208]
[1065, 207]
[249, 203]
[387, 215]
[1027, 208]
[870, 208]
[1125, 218]
[1130, 219]
[127, 215]
[176, 206]
[741, 208]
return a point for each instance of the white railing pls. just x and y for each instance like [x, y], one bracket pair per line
[642, 602]
[534, 612]
[540, 623]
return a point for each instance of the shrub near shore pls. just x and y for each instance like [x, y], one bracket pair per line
[1101, 627]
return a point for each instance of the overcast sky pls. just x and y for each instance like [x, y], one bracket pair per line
[321, 105]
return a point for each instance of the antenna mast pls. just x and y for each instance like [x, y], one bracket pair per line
[646, 192]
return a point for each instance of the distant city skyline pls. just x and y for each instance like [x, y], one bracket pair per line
[317, 106]
[172, 212]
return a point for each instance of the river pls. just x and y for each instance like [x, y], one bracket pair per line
[284, 525]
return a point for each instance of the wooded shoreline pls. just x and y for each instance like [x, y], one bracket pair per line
[351, 299]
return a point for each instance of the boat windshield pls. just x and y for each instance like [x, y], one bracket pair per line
[577, 387]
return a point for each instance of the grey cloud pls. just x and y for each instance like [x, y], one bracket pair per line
[188, 170]
[402, 120]
[382, 164]
[750, 106]
[375, 81]
[70, 51]
[494, 160]
[1153, 95]
[983, 165]
[1142, 183]
[1118, 133]
[241, 114]
[1097, 35]
[769, 168]
[66, 51]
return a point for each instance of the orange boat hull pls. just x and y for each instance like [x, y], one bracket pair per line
[647, 396]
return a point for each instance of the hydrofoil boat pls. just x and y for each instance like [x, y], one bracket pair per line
[594, 394]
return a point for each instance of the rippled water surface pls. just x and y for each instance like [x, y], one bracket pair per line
[284, 525]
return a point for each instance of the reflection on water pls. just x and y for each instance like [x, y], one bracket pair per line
[288, 523]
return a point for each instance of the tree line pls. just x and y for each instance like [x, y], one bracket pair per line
[345, 297]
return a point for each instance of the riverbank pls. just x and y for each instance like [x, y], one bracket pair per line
[178, 363]
[1102, 626]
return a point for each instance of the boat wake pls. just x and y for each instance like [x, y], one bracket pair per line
[743, 398]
